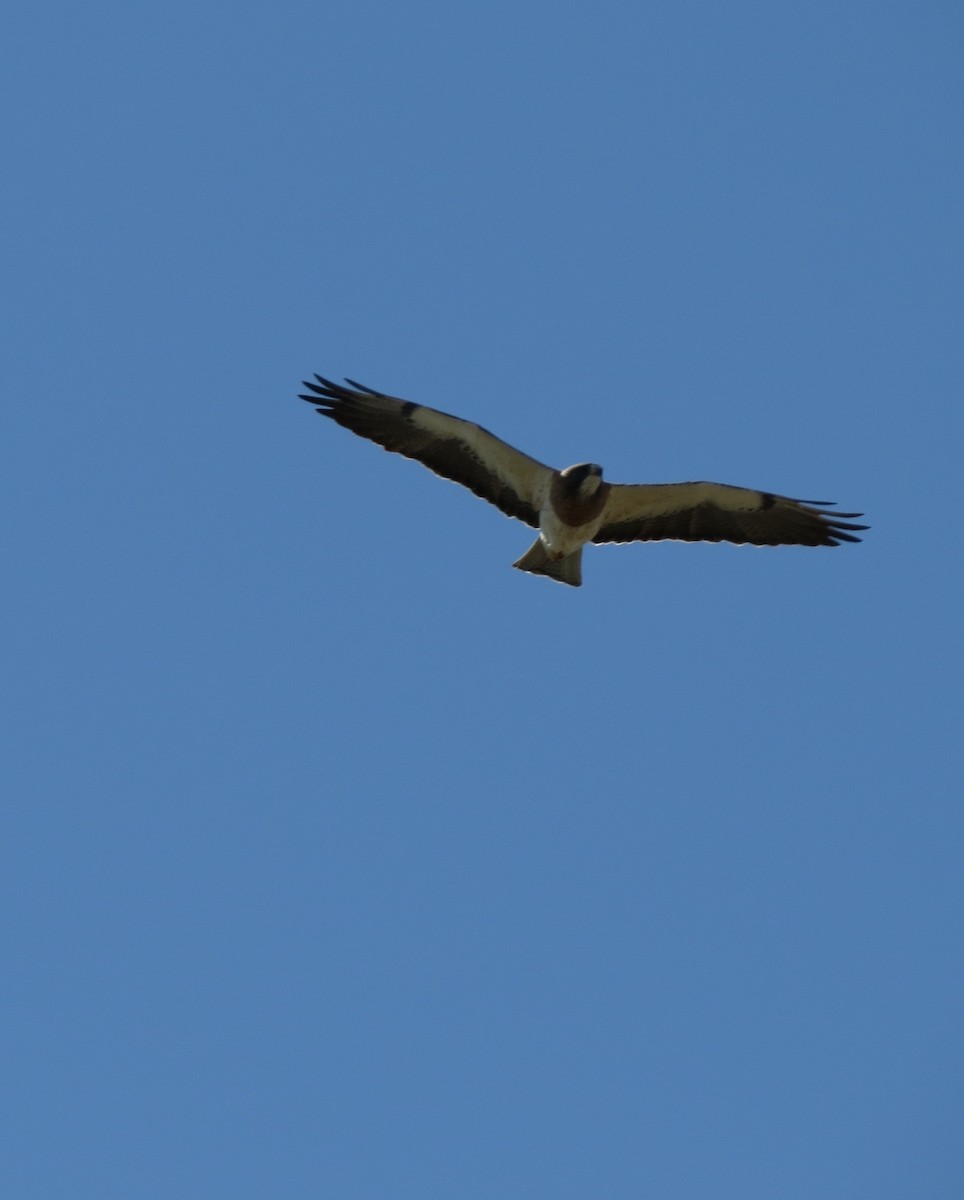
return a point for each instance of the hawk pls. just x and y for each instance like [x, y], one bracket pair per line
[575, 506]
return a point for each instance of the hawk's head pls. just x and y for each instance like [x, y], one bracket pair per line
[582, 480]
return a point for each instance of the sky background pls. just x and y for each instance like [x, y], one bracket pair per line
[340, 859]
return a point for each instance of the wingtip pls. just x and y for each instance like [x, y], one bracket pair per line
[324, 391]
[328, 390]
[838, 524]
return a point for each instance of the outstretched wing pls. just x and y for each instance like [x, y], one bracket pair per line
[456, 449]
[716, 512]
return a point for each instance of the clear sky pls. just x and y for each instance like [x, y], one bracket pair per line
[342, 860]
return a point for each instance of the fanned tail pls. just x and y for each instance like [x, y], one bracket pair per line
[537, 561]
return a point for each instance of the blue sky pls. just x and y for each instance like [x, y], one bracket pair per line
[340, 859]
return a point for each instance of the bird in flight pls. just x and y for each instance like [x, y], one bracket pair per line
[573, 507]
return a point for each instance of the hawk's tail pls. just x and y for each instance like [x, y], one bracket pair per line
[536, 561]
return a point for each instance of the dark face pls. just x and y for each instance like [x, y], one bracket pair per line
[578, 494]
